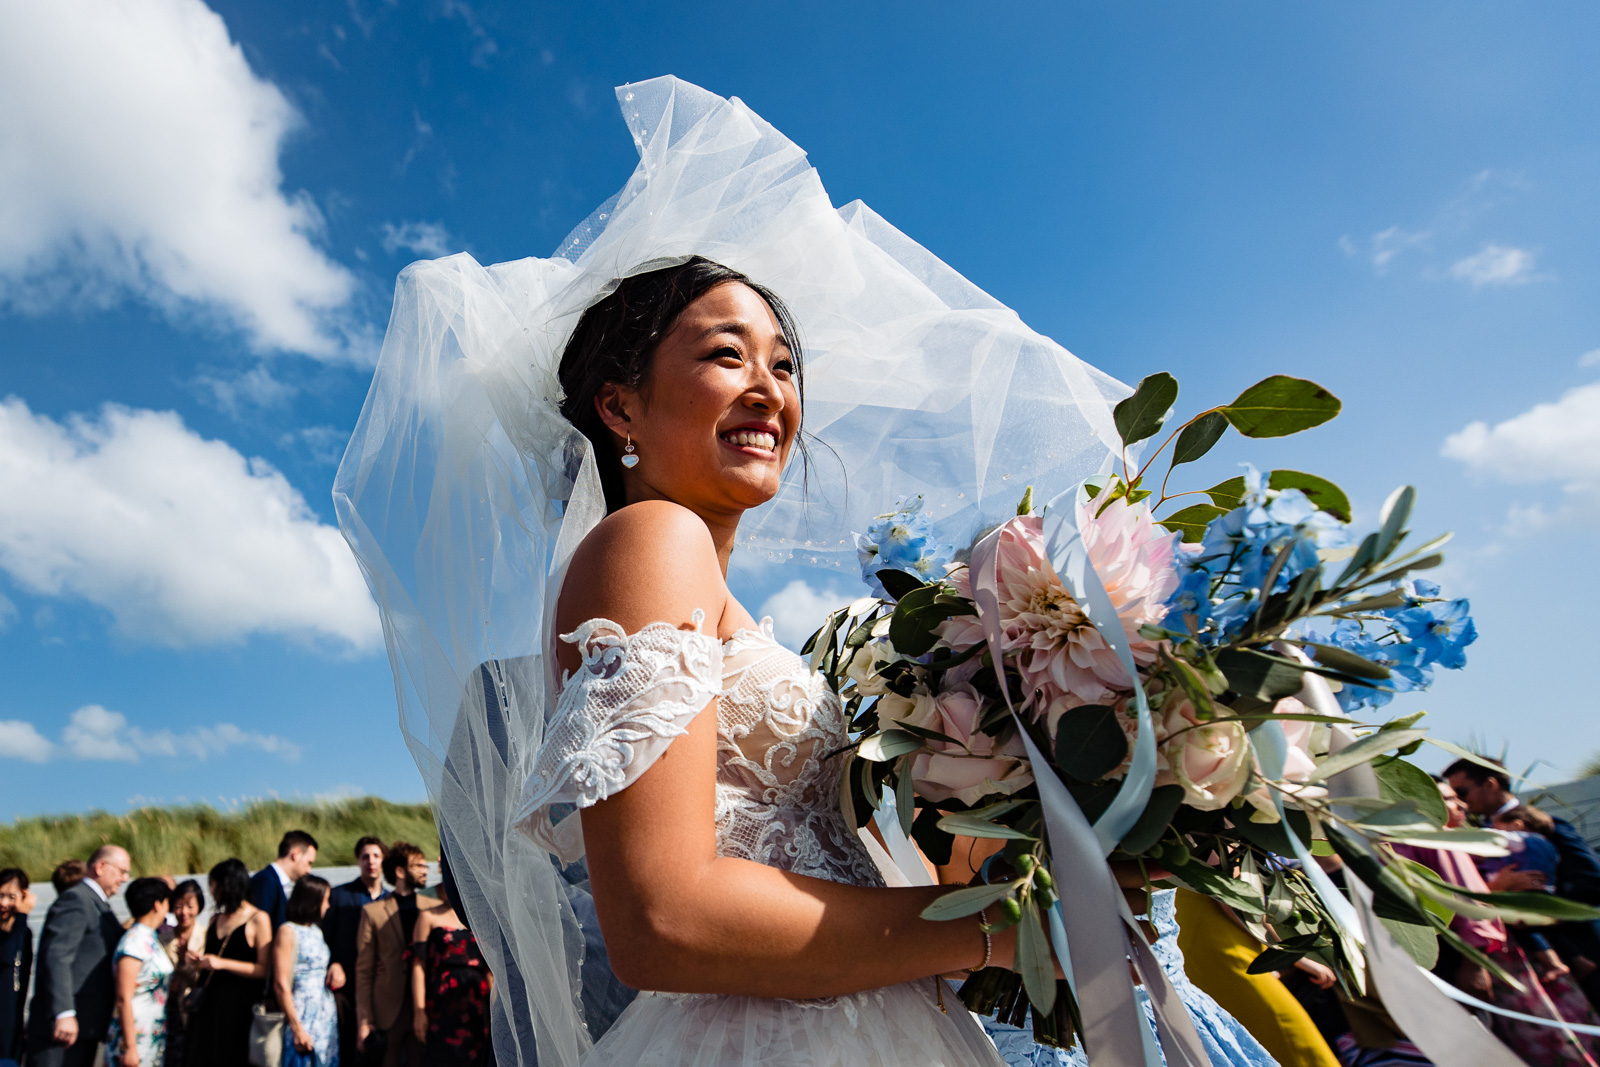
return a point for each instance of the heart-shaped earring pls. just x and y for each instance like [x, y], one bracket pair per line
[629, 459]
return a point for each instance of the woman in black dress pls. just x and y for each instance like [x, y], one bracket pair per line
[16, 960]
[233, 972]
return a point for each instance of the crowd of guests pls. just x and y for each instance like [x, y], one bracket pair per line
[1556, 967]
[287, 971]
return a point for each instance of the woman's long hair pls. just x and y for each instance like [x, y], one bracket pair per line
[615, 342]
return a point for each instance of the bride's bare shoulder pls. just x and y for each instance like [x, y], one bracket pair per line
[653, 561]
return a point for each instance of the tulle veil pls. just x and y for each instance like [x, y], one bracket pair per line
[463, 492]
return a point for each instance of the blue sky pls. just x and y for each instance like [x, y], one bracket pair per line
[202, 212]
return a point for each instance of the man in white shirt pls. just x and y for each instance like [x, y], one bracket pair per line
[74, 990]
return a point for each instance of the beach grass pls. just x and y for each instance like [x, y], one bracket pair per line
[191, 839]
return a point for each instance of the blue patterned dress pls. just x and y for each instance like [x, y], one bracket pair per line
[1226, 1042]
[313, 1002]
[149, 998]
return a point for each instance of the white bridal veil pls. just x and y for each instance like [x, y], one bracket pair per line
[463, 491]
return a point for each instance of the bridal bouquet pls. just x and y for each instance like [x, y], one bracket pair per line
[1225, 603]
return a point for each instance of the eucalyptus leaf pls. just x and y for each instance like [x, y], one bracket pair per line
[1033, 959]
[1321, 492]
[1141, 415]
[1196, 439]
[1472, 842]
[1367, 748]
[1190, 522]
[963, 902]
[1281, 405]
[1153, 823]
[881, 748]
[1228, 494]
[1396, 510]
[1090, 743]
[962, 824]
[1399, 780]
[1259, 674]
[1210, 882]
[904, 801]
[1342, 659]
[898, 583]
[1420, 942]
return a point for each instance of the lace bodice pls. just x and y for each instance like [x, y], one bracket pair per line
[779, 731]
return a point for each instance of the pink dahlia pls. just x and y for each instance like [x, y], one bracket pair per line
[1057, 649]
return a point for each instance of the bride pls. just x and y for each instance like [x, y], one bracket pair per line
[704, 755]
[636, 785]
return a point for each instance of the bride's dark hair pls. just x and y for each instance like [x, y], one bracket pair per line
[616, 340]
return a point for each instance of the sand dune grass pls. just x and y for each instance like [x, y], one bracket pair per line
[192, 839]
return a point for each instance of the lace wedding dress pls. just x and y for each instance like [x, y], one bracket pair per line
[777, 803]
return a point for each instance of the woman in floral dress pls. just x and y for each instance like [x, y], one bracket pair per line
[300, 969]
[138, 1034]
[451, 979]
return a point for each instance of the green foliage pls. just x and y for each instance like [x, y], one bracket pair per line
[1141, 415]
[1198, 436]
[1090, 743]
[1281, 405]
[1191, 521]
[191, 840]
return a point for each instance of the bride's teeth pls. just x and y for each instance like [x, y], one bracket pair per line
[753, 439]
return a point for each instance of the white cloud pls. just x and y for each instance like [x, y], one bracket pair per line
[141, 156]
[1494, 265]
[183, 540]
[1387, 244]
[798, 609]
[19, 740]
[421, 238]
[256, 387]
[1590, 358]
[96, 733]
[1558, 441]
[8, 613]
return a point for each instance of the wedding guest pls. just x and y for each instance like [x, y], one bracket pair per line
[1218, 951]
[67, 874]
[184, 949]
[270, 886]
[339, 928]
[302, 973]
[1538, 1045]
[451, 981]
[384, 1006]
[1486, 793]
[233, 968]
[138, 1033]
[16, 960]
[73, 991]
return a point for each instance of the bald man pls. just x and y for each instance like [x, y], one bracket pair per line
[73, 987]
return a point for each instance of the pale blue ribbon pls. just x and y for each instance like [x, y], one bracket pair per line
[1097, 951]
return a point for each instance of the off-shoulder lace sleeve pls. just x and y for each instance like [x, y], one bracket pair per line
[616, 714]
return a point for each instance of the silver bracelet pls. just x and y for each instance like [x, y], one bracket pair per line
[988, 942]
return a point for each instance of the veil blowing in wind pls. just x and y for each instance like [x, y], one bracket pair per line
[464, 492]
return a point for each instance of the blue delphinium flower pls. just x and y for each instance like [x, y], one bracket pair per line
[902, 540]
[1425, 632]
[1222, 582]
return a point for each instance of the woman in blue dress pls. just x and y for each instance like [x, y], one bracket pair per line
[1227, 1043]
[300, 967]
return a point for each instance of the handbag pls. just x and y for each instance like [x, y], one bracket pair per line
[266, 1036]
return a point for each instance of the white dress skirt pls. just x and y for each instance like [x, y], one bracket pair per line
[777, 804]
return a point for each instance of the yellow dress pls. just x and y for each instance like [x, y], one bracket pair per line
[1216, 955]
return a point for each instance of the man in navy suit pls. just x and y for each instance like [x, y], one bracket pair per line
[73, 992]
[1487, 793]
[270, 886]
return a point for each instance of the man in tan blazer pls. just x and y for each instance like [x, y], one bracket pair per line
[383, 986]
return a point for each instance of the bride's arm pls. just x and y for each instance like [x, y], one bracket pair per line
[675, 915]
